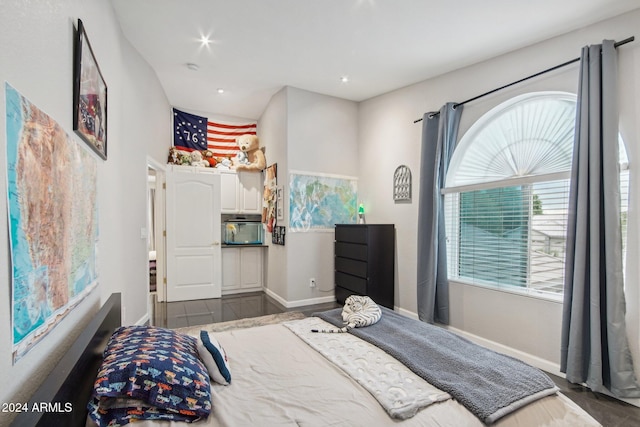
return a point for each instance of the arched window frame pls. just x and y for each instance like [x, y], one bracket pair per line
[483, 179]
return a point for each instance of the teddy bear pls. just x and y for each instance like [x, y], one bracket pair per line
[208, 156]
[249, 144]
[175, 156]
[197, 160]
[178, 157]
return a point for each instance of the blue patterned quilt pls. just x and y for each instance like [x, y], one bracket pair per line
[150, 373]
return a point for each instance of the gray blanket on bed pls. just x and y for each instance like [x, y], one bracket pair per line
[489, 384]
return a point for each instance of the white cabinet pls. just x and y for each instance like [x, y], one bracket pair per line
[241, 192]
[242, 269]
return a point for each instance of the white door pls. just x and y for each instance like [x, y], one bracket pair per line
[193, 236]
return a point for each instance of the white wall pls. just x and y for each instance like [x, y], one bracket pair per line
[320, 137]
[388, 138]
[272, 130]
[36, 57]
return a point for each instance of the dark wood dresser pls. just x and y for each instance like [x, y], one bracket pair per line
[364, 262]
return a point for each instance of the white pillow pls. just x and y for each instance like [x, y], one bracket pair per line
[214, 358]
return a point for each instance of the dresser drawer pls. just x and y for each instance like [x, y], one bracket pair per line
[352, 234]
[351, 250]
[356, 284]
[351, 266]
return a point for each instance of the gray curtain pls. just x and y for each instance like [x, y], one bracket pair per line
[439, 134]
[594, 348]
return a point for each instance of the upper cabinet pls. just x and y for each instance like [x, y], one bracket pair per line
[241, 192]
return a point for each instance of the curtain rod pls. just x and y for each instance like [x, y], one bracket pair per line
[564, 64]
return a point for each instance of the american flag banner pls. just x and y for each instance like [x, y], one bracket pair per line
[221, 137]
[194, 132]
[190, 131]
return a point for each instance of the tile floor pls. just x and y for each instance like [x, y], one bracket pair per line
[608, 411]
[230, 307]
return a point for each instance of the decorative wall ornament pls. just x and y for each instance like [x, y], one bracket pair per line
[402, 184]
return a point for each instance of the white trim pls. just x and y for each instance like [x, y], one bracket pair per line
[509, 182]
[407, 313]
[143, 320]
[155, 164]
[299, 303]
[325, 175]
[242, 291]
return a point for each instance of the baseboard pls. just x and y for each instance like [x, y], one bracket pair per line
[242, 291]
[299, 303]
[406, 313]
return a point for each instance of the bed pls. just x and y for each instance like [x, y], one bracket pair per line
[285, 375]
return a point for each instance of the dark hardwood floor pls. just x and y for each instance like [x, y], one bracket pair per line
[608, 411]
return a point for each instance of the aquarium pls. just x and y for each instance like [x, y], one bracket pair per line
[242, 232]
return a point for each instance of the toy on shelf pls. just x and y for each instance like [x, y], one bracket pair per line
[250, 145]
[197, 160]
[204, 158]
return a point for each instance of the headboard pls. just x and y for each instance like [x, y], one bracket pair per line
[70, 383]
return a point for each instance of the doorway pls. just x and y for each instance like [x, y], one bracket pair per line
[156, 196]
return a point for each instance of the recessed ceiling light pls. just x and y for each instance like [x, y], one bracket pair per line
[220, 90]
[192, 66]
[344, 79]
[205, 41]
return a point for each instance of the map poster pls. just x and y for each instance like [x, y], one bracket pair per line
[53, 224]
[317, 202]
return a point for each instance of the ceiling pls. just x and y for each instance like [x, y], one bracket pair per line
[259, 46]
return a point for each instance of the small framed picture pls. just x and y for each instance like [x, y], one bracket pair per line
[89, 96]
[278, 235]
[279, 203]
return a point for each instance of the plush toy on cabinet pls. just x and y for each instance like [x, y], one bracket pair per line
[197, 160]
[208, 156]
[250, 145]
[178, 157]
[241, 158]
[224, 163]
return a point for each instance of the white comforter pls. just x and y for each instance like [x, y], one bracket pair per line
[279, 380]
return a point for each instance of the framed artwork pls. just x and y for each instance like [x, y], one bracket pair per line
[89, 96]
[280, 203]
[318, 201]
[269, 196]
[278, 235]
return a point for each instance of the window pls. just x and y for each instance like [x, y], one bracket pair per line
[507, 192]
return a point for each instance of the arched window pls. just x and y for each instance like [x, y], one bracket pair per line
[507, 193]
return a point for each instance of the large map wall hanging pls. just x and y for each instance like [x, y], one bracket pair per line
[53, 224]
[318, 201]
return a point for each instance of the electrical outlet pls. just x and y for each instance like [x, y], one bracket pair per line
[312, 282]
